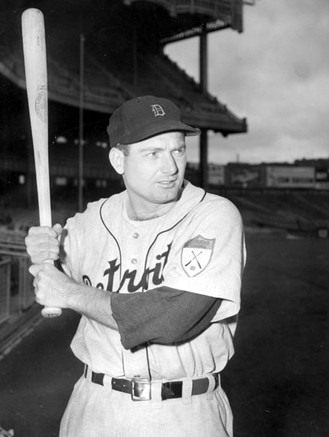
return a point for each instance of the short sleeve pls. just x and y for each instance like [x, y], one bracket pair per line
[209, 255]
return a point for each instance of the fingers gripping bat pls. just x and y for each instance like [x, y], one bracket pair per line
[34, 49]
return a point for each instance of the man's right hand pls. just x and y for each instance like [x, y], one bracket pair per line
[42, 243]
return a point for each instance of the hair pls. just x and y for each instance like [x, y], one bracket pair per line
[124, 148]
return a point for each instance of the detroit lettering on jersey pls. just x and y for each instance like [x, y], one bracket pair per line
[151, 276]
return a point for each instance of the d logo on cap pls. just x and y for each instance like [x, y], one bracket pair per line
[157, 110]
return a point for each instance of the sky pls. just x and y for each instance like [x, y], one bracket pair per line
[276, 74]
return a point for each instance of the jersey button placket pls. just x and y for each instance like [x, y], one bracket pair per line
[135, 236]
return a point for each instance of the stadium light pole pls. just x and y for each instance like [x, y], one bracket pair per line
[81, 121]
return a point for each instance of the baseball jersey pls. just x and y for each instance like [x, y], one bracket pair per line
[197, 247]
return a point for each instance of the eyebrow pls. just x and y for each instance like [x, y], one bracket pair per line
[159, 148]
[151, 148]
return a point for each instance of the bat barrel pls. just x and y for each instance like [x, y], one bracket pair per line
[35, 62]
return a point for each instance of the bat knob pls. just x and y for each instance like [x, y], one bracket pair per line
[51, 312]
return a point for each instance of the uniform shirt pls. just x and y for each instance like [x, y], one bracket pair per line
[197, 247]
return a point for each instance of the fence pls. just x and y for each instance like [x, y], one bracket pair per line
[16, 283]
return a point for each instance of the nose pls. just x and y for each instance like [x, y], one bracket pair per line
[169, 165]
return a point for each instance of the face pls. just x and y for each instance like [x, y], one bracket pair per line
[153, 171]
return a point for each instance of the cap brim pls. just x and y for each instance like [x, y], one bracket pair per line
[148, 131]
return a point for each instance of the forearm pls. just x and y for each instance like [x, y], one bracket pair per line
[91, 302]
[163, 315]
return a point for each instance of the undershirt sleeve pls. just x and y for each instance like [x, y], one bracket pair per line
[162, 315]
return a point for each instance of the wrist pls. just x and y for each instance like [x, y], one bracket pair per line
[75, 296]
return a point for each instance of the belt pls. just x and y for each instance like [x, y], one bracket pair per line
[140, 388]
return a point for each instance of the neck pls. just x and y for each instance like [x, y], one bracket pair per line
[139, 210]
[141, 215]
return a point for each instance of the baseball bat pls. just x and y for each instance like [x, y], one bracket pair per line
[35, 61]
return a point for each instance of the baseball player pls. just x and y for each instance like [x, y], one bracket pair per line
[155, 272]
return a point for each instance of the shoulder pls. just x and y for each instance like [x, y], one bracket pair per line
[94, 211]
[214, 207]
[197, 204]
[91, 211]
[221, 203]
[198, 198]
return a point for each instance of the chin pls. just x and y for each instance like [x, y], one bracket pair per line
[168, 197]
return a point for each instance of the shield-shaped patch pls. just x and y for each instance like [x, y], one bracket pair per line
[196, 254]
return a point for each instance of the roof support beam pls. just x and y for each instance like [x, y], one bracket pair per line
[203, 168]
[203, 48]
[203, 145]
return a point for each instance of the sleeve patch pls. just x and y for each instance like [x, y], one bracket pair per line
[196, 254]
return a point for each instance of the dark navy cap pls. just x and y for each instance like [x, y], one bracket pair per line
[144, 117]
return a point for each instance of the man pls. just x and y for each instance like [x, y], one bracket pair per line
[155, 272]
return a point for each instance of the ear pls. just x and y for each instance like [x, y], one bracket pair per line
[116, 157]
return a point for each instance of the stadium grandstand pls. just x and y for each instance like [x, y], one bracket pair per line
[100, 54]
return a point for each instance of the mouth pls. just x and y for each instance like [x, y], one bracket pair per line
[168, 182]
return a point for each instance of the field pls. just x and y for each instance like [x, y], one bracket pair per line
[277, 382]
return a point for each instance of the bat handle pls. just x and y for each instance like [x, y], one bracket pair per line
[50, 312]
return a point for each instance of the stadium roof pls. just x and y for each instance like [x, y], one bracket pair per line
[120, 42]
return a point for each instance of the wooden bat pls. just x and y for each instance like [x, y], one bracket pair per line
[34, 49]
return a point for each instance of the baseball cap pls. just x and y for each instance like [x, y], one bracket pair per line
[144, 117]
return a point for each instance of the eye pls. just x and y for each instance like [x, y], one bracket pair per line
[152, 154]
[180, 151]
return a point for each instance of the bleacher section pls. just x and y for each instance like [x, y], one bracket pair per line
[297, 211]
[111, 78]
[102, 91]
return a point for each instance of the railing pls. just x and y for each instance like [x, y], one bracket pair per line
[214, 8]
[16, 283]
[4, 289]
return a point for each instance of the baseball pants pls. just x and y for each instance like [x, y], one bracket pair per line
[95, 410]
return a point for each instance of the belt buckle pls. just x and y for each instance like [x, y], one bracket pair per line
[140, 389]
